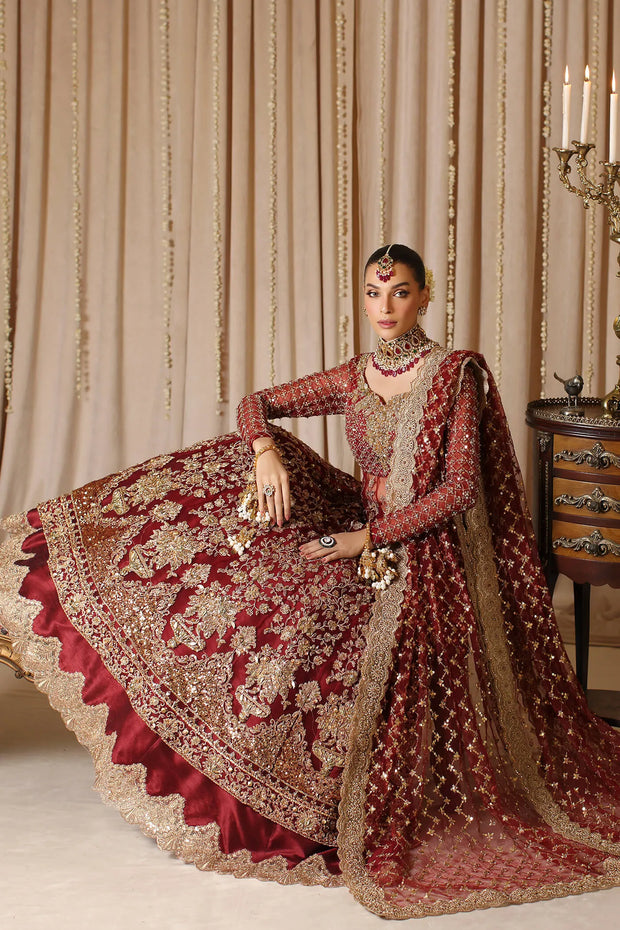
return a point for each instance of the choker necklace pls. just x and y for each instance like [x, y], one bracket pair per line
[400, 355]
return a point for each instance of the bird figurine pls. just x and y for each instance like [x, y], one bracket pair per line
[573, 387]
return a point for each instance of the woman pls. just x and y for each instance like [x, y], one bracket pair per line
[264, 703]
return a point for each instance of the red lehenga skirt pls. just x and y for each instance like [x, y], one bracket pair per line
[257, 714]
[213, 689]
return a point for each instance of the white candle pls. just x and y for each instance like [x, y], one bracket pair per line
[565, 110]
[585, 108]
[613, 118]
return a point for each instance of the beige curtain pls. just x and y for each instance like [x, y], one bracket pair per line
[297, 131]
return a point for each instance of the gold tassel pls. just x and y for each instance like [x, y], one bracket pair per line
[377, 567]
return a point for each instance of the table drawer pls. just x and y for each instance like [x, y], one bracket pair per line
[580, 541]
[572, 453]
[576, 497]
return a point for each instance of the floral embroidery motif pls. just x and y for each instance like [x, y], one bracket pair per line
[334, 722]
[206, 613]
[268, 675]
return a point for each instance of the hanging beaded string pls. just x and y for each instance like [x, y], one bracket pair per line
[76, 174]
[501, 184]
[342, 153]
[5, 212]
[218, 258]
[167, 241]
[591, 214]
[273, 186]
[546, 193]
[452, 162]
[382, 117]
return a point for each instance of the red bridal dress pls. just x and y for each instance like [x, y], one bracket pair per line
[427, 744]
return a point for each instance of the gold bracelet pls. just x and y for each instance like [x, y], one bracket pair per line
[270, 447]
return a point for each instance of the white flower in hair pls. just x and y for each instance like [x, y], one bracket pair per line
[430, 283]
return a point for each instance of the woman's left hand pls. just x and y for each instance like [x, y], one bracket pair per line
[348, 546]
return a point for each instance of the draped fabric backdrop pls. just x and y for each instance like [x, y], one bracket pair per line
[213, 173]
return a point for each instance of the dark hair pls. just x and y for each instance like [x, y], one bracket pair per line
[404, 255]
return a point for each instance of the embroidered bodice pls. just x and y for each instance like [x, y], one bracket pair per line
[371, 425]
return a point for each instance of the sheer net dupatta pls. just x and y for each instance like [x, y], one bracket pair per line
[476, 775]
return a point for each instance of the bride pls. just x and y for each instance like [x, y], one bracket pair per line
[284, 673]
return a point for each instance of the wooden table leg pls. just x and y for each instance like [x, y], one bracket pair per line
[551, 576]
[582, 631]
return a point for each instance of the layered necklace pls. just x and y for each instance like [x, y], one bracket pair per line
[400, 355]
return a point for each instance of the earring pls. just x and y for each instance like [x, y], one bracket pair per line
[364, 311]
[422, 310]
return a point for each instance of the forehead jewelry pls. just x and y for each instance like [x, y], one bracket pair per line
[385, 266]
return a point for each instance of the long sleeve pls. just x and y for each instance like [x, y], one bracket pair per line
[314, 395]
[457, 491]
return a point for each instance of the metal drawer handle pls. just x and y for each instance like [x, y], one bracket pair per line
[597, 457]
[594, 544]
[596, 502]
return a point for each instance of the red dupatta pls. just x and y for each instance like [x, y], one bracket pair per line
[476, 775]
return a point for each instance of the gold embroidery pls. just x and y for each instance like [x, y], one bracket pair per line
[268, 676]
[174, 546]
[171, 627]
[334, 722]
[206, 613]
[308, 695]
[244, 640]
[118, 503]
[124, 786]
[398, 485]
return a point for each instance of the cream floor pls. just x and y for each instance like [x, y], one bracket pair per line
[67, 861]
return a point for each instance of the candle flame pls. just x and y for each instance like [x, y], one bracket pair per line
[613, 81]
[587, 72]
[566, 78]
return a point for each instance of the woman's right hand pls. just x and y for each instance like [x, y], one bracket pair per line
[270, 472]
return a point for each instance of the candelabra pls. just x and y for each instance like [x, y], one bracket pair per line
[604, 193]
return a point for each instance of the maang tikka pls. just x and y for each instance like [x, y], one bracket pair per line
[385, 266]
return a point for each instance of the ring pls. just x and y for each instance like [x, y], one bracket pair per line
[269, 490]
[328, 542]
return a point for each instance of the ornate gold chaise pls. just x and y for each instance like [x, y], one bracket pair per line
[8, 656]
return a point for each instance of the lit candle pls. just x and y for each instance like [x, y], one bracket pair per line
[585, 109]
[613, 118]
[565, 109]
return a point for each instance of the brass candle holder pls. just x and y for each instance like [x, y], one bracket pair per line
[591, 192]
[603, 192]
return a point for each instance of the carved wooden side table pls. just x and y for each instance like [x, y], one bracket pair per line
[579, 515]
